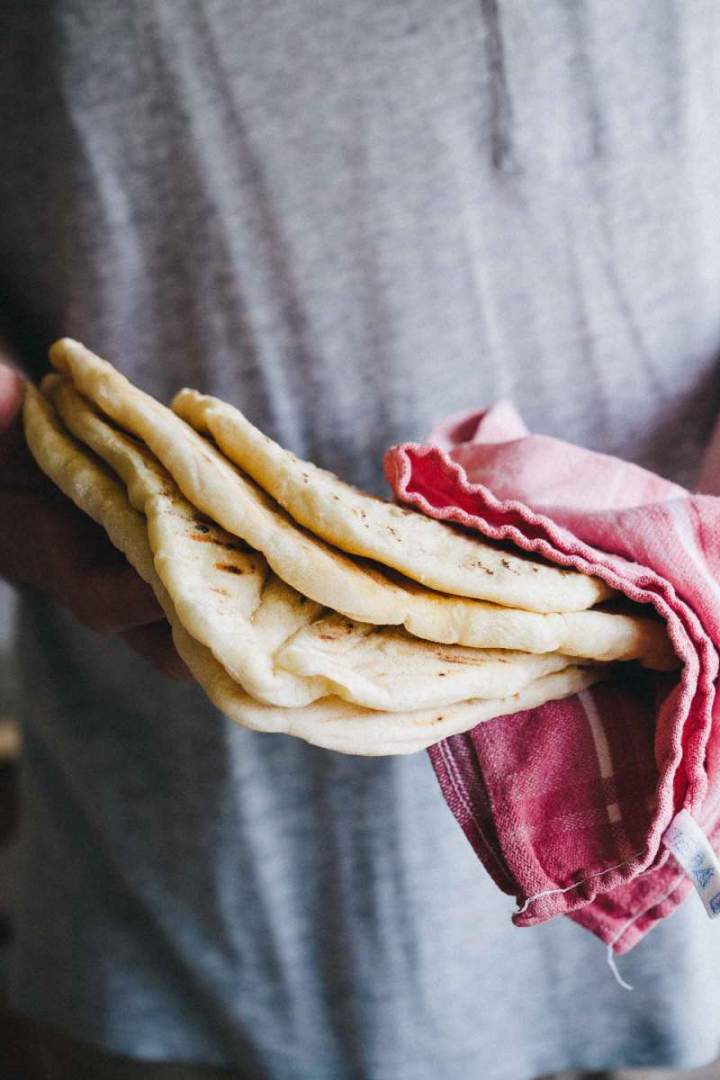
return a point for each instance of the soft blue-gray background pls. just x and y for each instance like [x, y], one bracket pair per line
[7, 620]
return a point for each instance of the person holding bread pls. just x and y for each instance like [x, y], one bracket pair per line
[348, 221]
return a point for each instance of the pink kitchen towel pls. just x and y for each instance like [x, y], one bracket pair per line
[566, 804]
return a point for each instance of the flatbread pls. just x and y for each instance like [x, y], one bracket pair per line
[337, 725]
[425, 550]
[330, 723]
[92, 486]
[224, 593]
[385, 668]
[298, 556]
[431, 552]
[219, 490]
[593, 635]
[227, 598]
[337, 582]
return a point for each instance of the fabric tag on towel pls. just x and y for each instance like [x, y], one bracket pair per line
[691, 848]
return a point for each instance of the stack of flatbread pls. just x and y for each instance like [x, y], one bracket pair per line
[302, 605]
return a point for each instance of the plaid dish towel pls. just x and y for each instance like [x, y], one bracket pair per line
[567, 804]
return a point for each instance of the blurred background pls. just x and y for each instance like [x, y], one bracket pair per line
[7, 614]
[9, 750]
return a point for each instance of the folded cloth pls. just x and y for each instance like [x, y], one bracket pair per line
[566, 804]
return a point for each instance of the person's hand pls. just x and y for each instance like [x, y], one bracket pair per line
[48, 545]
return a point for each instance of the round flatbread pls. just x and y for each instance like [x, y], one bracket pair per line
[299, 556]
[330, 723]
[434, 553]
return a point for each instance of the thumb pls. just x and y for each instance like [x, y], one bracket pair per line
[11, 395]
